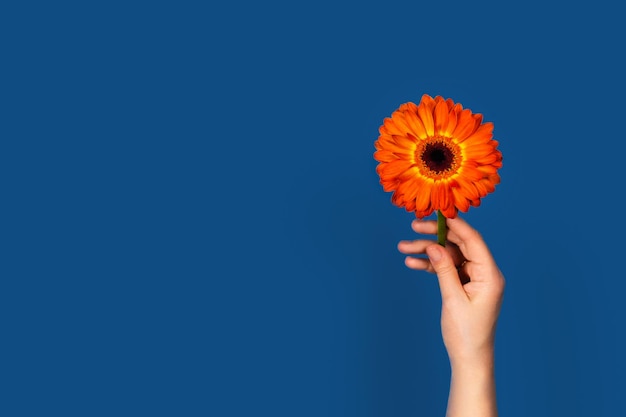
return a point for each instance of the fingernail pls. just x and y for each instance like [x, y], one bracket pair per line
[433, 253]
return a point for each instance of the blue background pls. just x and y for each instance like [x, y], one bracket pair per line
[192, 224]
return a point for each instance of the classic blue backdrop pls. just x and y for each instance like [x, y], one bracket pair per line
[192, 224]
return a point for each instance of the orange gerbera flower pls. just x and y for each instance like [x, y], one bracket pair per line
[437, 156]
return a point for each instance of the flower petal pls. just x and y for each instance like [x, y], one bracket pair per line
[405, 143]
[482, 134]
[487, 169]
[487, 160]
[415, 124]
[409, 205]
[435, 196]
[399, 122]
[407, 107]
[422, 201]
[452, 120]
[387, 142]
[460, 201]
[394, 168]
[472, 175]
[465, 125]
[384, 155]
[412, 172]
[425, 112]
[392, 128]
[446, 200]
[467, 189]
[409, 188]
[389, 184]
[477, 151]
[449, 211]
[441, 117]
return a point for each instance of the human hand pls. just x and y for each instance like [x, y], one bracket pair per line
[471, 288]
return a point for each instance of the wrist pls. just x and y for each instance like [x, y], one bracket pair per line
[480, 360]
[472, 388]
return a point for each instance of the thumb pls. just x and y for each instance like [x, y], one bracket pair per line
[449, 281]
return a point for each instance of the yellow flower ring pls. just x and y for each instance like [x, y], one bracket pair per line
[437, 156]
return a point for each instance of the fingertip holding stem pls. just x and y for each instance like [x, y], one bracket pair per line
[434, 253]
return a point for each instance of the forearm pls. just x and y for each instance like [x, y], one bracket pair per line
[473, 389]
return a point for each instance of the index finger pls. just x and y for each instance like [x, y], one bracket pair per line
[469, 241]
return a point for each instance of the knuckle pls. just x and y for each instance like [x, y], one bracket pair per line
[474, 236]
[446, 269]
[502, 284]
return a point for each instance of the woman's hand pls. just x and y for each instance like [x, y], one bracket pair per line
[471, 291]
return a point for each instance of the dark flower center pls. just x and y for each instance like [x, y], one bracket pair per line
[437, 157]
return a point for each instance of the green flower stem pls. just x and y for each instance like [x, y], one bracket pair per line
[442, 228]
